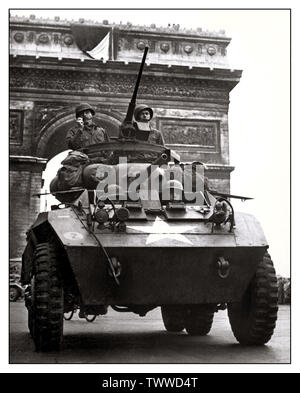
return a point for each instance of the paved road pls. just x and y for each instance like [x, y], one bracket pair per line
[128, 338]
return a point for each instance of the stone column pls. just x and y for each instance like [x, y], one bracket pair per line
[25, 179]
[219, 177]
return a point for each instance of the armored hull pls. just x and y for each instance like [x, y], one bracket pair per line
[161, 262]
[189, 258]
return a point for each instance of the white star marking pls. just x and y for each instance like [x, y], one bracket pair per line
[161, 230]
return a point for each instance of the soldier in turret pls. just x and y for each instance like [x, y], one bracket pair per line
[86, 132]
[143, 114]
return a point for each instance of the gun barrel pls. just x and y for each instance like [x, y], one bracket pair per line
[131, 106]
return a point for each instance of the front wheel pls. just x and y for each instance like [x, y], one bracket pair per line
[253, 319]
[47, 300]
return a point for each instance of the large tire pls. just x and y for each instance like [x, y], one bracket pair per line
[47, 300]
[173, 318]
[253, 320]
[28, 305]
[199, 319]
[31, 323]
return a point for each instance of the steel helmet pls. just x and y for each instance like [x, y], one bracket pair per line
[140, 108]
[84, 107]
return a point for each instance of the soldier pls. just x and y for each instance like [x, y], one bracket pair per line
[143, 114]
[86, 132]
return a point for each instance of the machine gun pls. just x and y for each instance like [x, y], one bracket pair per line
[129, 128]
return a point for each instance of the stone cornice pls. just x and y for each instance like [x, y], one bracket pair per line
[175, 30]
[231, 77]
[119, 84]
[218, 171]
[27, 163]
[178, 36]
[170, 45]
[27, 159]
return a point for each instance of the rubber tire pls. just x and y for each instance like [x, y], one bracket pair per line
[47, 299]
[30, 314]
[199, 319]
[173, 318]
[31, 323]
[253, 320]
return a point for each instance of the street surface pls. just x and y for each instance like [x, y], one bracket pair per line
[128, 338]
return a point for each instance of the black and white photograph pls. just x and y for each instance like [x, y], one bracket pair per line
[149, 188]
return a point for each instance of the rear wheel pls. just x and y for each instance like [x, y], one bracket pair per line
[253, 319]
[173, 318]
[199, 319]
[46, 311]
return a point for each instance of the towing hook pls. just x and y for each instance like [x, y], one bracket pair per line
[223, 267]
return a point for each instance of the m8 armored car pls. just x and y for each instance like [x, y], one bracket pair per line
[114, 242]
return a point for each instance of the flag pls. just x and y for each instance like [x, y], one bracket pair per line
[98, 42]
[101, 51]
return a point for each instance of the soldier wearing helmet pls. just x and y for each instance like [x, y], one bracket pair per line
[143, 114]
[86, 132]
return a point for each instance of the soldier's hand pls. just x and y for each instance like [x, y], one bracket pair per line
[79, 120]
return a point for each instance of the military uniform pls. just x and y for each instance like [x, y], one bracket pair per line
[155, 137]
[150, 136]
[79, 137]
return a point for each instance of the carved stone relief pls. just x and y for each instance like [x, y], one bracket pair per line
[19, 37]
[202, 134]
[68, 39]
[188, 49]
[164, 46]
[56, 38]
[115, 84]
[141, 45]
[171, 47]
[16, 127]
[211, 50]
[124, 44]
[30, 36]
[43, 38]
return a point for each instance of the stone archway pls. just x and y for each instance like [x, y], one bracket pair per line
[53, 136]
